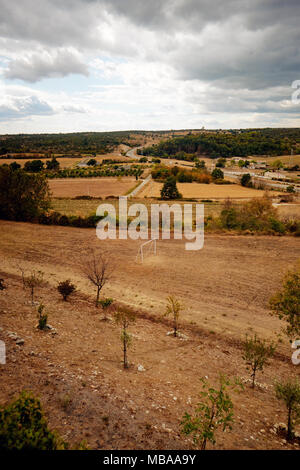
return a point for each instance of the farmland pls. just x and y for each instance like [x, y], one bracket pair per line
[224, 289]
[205, 191]
[94, 187]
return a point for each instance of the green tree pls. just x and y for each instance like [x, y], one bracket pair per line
[125, 317]
[246, 179]
[15, 166]
[256, 354]
[215, 410]
[217, 174]
[52, 164]
[24, 427]
[92, 162]
[286, 302]
[34, 166]
[169, 189]
[289, 392]
[23, 196]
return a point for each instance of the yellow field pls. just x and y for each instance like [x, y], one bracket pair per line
[205, 191]
[64, 162]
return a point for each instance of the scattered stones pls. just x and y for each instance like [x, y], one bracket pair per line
[179, 335]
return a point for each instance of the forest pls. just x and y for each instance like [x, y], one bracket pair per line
[232, 143]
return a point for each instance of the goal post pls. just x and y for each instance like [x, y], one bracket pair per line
[149, 247]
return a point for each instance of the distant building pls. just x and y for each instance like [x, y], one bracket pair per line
[258, 165]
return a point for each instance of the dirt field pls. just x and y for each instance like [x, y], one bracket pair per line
[204, 191]
[224, 289]
[95, 187]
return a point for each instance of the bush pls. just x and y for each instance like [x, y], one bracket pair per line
[246, 180]
[23, 426]
[217, 174]
[66, 288]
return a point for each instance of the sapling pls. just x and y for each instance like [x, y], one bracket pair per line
[125, 317]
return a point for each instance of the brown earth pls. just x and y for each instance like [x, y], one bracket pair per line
[78, 374]
[95, 187]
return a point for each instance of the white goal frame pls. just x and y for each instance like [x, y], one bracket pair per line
[141, 251]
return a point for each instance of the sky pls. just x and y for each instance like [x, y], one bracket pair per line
[105, 65]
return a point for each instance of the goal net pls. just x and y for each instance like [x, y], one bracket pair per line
[146, 249]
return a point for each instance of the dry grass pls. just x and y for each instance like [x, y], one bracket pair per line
[205, 191]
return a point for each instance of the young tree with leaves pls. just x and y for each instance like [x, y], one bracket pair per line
[125, 317]
[215, 410]
[286, 302]
[173, 309]
[289, 392]
[42, 317]
[256, 354]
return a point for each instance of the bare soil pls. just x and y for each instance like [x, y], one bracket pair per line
[95, 187]
[78, 372]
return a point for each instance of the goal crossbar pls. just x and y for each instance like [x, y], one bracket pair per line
[141, 249]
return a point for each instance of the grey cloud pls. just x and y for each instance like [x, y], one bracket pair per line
[24, 107]
[34, 67]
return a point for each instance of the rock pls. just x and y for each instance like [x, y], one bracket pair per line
[20, 342]
[141, 368]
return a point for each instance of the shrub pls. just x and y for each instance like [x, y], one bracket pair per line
[24, 427]
[246, 180]
[105, 304]
[217, 174]
[66, 288]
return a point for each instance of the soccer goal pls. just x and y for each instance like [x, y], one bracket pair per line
[146, 249]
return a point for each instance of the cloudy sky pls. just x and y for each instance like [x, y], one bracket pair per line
[98, 65]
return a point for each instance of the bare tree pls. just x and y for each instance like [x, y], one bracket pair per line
[98, 269]
[31, 282]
